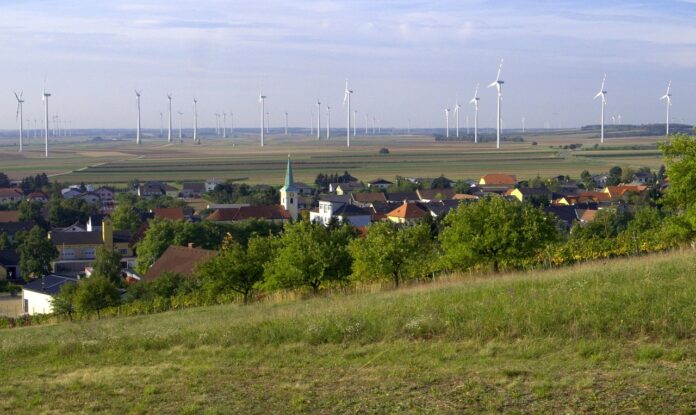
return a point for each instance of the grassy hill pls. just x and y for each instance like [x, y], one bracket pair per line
[614, 336]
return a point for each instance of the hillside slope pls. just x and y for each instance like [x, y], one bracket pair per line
[615, 336]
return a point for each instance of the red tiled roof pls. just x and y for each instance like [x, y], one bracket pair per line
[10, 192]
[369, 197]
[273, 212]
[499, 179]
[435, 194]
[620, 190]
[596, 196]
[407, 211]
[9, 216]
[178, 260]
[169, 213]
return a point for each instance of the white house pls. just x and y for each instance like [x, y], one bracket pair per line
[37, 295]
[342, 212]
[211, 184]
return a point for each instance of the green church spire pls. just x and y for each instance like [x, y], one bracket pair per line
[289, 180]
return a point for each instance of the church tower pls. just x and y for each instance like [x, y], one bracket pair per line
[289, 193]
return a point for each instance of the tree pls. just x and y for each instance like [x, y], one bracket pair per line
[393, 253]
[680, 160]
[5, 242]
[95, 294]
[108, 265]
[4, 180]
[495, 232]
[36, 252]
[126, 218]
[440, 183]
[309, 255]
[587, 180]
[237, 268]
[614, 176]
[64, 303]
[31, 212]
[627, 175]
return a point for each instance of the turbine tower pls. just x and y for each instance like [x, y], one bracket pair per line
[318, 120]
[457, 109]
[262, 100]
[169, 132]
[666, 97]
[224, 125]
[161, 125]
[286, 123]
[346, 98]
[181, 121]
[195, 121]
[475, 101]
[45, 100]
[328, 123]
[447, 111]
[498, 84]
[602, 93]
[137, 100]
[20, 116]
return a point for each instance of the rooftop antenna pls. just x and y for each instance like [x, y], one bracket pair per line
[666, 97]
[602, 94]
[498, 84]
[20, 117]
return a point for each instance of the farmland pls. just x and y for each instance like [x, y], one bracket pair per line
[116, 162]
[607, 337]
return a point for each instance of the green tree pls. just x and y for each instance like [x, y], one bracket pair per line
[5, 242]
[680, 161]
[4, 180]
[31, 212]
[614, 176]
[36, 252]
[237, 268]
[64, 303]
[393, 253]
[108, 265]
[309, 255]
[95, 294]
[126, 218]
[587, 180]
[495, 232]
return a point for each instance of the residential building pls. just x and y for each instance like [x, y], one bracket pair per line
[157, 189]
[169, 213]
[341, 212]
[39, 197]
[37, 295]
[407, 213]
[272, 213]
[496, 179]
[11, 195]
[366, 199]
[526, 194]
[304, 189]
[429, 195]
[9, 265]
[380, 184]
[400, 197]
[9, 216]
[616, 192]
[345, 188]
[106, 194]
[191, 190]
[181, 260]
[211, 184]
[90, 197]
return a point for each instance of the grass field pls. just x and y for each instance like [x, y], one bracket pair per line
[610, 337]
[118, 161]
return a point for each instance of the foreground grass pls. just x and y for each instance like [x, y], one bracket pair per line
[607, 337]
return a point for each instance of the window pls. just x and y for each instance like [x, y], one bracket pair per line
[68, 253]
[89, 253]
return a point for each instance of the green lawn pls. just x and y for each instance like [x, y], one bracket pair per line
[610, 337]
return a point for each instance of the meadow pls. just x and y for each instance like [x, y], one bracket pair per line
[607, 337]
[241, 158]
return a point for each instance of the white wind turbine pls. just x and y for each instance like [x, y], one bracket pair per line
[169, 131]
[181, 122]
[602, 94]
[498, 84]
[262, 101]
[475, 101]
[286, 123]
[318, 120]
[195, 121]
[346, 98]
[666, 97]
[137, 100]
[20, 116]
[328, 123]
[447, 111]
[224, 125]
[45, 100]
[457, 109]
[161, 134]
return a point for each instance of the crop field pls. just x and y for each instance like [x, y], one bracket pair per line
[242, 159]
[614, 336]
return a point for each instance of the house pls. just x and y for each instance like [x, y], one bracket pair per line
[70, 192]
[9, 265]
[304, 189]
[643, 178]
[272, 213]
[566, 215]
[585, 197]
[428, 195]
[529, 193]
[495, 179]
[586, 215]
[106, 194]
[192, 190]
[211, 184]
[341, 212]
[39, 197]
[9, 216]
[75, 227]
[157, 189]
[11, 195]
[37, 295]
[600, 180]
[429, 180]
[12, 228]
[345, 188]
[380, 184]
[441, 208]
[616, 192]
[366, 199]
[464, 196]
[408, 213]
[90, 197]
[400, 197]
[181, 260]
[168, 213]
[77, 250]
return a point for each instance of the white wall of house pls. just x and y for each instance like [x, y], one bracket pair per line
[36, 303]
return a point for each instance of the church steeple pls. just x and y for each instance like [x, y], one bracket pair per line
[289, 192]
[289, 180]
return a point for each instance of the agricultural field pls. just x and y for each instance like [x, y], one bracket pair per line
[614, 336]
[115, 162]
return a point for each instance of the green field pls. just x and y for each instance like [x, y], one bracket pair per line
[420, 156]
[609, 337]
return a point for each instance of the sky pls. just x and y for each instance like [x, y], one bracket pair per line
[405, 60]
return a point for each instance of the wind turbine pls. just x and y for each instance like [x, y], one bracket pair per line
[666, 97]
[268, 122]
[224, 125]
[475, 100]
[447, 111]
[161, 125]
[457, 109]
[318, 120]
[286, 123]
[367, 123]
[498, 84]
[231, 124]
[137, 100]
[45, 100]
[181, 121]
[169, 131]
[602, 93]
[328, 123]
[346, 97]
[195, 121]
[524, 127]
[217, 124]
[262, 100]
[20, 116]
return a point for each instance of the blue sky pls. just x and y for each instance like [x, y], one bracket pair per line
[405, 59]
